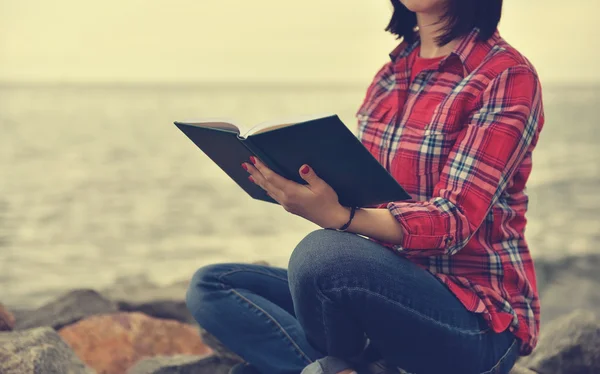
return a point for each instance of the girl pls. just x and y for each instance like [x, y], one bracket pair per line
[443, 283]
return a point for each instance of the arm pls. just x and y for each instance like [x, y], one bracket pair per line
[375, 223]
[481, 163]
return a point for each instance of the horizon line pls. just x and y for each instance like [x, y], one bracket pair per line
[183, 84]
[232, 84]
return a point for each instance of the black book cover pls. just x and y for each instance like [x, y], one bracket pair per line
[325, 144]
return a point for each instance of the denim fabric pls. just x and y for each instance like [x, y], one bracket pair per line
[339, 290]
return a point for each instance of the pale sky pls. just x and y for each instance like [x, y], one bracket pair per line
[257, 41]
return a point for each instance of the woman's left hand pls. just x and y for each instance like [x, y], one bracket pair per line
[315, 201]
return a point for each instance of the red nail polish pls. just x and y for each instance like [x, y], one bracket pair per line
[245, 167]
[251, 179]
[305, 169]
[253, 160]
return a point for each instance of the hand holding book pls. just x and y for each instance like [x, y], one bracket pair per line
[315, 201]
[341, 171]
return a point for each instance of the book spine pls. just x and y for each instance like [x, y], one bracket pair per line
[263, 157]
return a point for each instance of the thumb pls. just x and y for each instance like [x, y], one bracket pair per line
[309, 175]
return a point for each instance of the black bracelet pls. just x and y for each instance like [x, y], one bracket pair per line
[345, 227]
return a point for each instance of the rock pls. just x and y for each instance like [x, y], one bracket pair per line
[7, 319]
[38, 351]
[21, 314]
[570, 344]
[67, 309]
[114, 343]
[182, 364]
[138, 294]
[218, 347]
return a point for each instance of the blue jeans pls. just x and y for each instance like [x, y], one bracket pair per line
[339, 290]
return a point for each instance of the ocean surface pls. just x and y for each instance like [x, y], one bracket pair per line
[96, 183]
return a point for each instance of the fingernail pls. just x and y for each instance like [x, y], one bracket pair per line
[253, 160]
[251, 179]
[305, 169]
[245, 167]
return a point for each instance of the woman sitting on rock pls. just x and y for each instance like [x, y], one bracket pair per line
[443, 283]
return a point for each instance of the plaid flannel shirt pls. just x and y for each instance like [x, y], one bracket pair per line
[459, 139]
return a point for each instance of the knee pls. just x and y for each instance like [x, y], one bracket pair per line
[203, 282]
[322, 254]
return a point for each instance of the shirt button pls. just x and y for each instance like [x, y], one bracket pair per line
[449, 239]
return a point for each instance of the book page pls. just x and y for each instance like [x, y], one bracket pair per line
[276, 124]
[215, 123]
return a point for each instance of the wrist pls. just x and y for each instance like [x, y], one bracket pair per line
[342, 217]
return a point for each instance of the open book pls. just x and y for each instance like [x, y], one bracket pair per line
[323, 142]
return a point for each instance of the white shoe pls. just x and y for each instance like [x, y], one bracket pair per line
[327, 365]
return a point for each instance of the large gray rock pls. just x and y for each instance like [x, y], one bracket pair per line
[67, 309]
[21, 313]
[182, 364]
[139, 294]
[570, 344]
[38, 351]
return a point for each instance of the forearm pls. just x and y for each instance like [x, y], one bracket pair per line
[377, 224]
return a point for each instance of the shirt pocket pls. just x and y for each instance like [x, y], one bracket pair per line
[374, 127]
[422, 153]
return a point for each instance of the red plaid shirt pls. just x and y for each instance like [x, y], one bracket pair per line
[459, 139]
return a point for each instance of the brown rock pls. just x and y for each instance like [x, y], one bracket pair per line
[7, 320]
[114, 343]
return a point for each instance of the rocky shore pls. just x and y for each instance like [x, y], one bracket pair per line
[137, 327]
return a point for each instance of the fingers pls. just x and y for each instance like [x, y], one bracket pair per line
[269, 175]
[256, 177]
[272, 183]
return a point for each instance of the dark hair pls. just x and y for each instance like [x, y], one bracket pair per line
[460, 18]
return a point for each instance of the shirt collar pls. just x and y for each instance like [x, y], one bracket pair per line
[469, 51]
